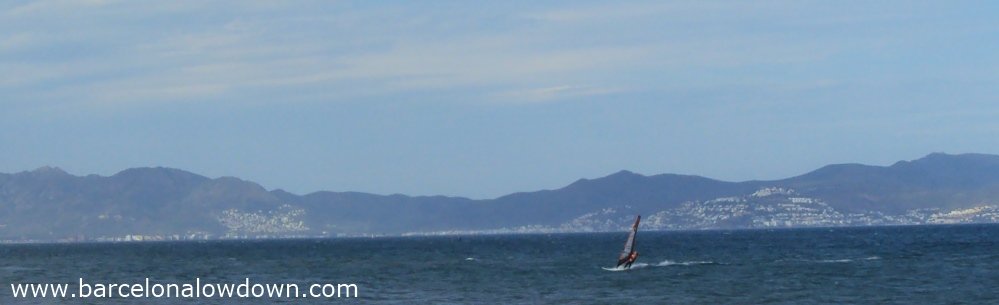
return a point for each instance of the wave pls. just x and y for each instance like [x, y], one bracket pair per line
[972, 257]
[622, 268]
[18, 268]
[835, 260]
[843, 260]
[848, 260]
[667, 262]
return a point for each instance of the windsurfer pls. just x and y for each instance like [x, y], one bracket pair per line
[631, 259]
[629, 255]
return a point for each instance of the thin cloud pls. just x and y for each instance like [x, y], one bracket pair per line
[37, 7]
[553, 93]
[222, 52]
[599, 12]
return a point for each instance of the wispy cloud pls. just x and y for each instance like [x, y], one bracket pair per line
[601, 12]
[213, 61]
[41, 7]
[553, 93]
[122, 53]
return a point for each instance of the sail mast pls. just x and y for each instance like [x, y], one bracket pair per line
[629, 245]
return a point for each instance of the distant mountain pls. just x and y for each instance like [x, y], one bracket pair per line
[935, 181]
[163, 203]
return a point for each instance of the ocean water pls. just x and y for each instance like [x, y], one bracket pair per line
[881, 265]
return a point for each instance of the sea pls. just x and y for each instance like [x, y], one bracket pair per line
[956, 264]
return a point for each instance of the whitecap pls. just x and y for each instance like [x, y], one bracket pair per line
[687, 263]
[847, 260]
[622, 268]
[844, 260]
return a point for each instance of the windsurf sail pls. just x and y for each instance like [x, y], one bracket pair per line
[628, 254]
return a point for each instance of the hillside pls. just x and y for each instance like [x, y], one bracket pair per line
[164, 203]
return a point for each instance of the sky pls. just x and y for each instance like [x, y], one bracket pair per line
[482, 99]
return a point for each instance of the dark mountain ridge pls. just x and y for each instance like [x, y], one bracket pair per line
[50, 204]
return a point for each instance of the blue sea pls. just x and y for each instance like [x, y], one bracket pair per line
[874, 265]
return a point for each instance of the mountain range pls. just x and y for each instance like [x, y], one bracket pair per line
[48, 204]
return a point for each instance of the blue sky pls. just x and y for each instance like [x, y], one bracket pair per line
[483, 99]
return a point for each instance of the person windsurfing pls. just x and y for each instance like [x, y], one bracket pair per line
[631, 259]
[629, 255]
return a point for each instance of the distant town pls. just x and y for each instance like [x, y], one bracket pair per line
[771, 207]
